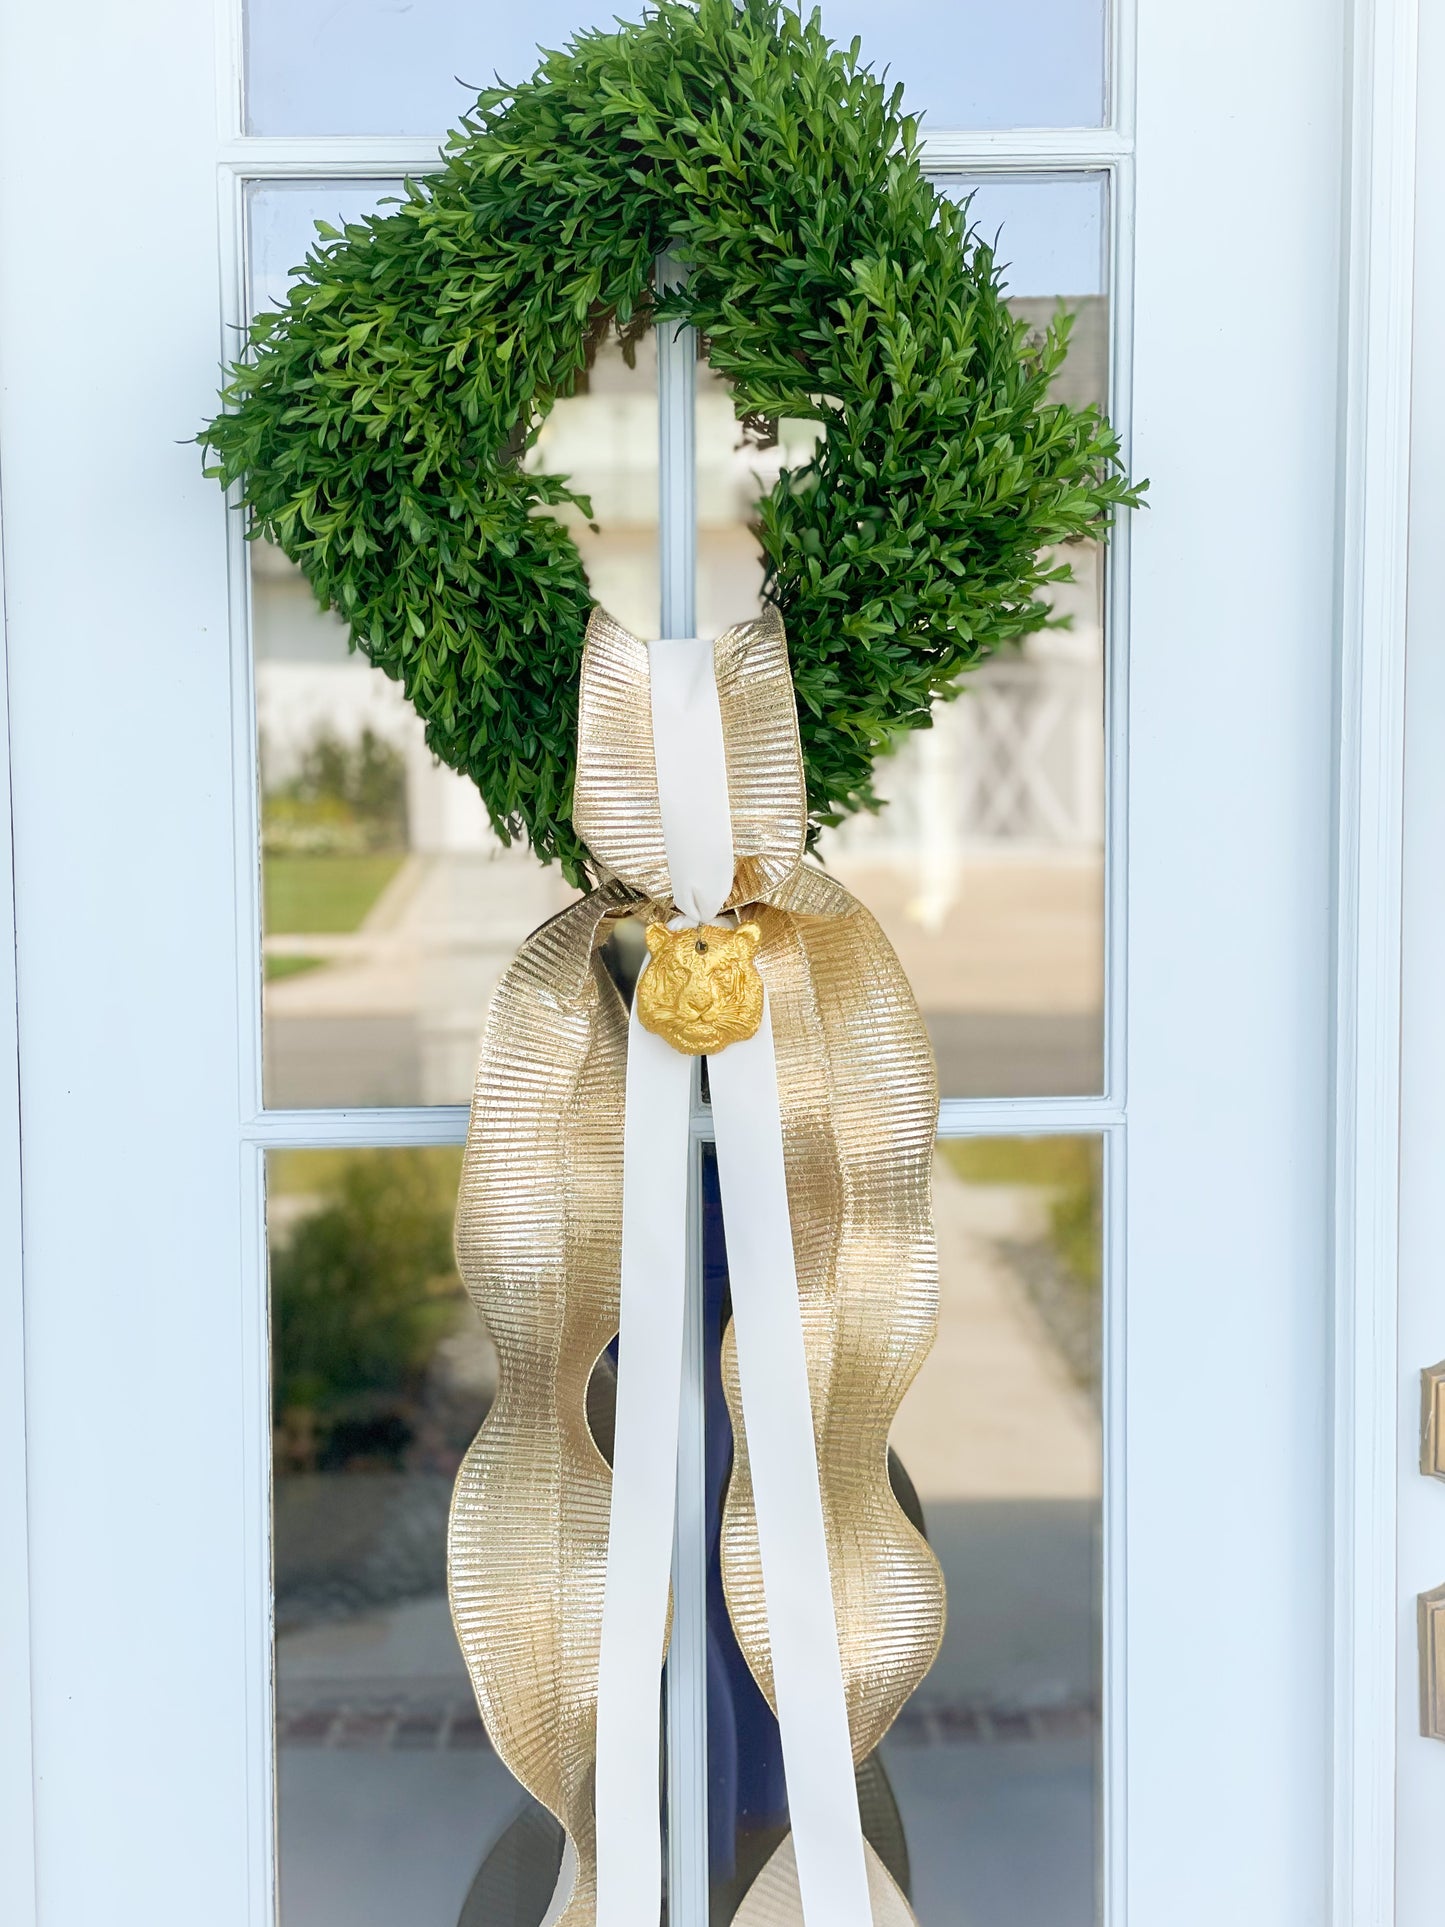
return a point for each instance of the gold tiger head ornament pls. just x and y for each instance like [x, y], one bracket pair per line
[701, 990]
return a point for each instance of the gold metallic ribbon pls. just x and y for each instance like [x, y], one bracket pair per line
[538, 1240]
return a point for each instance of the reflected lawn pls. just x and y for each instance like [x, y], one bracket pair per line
[324, 895]
[279, 967]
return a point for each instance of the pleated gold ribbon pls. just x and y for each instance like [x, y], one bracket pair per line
[538, 1243]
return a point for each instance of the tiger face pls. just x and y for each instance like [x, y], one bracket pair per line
[701, 990]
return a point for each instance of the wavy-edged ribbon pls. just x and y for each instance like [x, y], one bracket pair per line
[829, 1113]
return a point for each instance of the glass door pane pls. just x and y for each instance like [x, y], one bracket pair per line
[986, 867]
[390, 908]
[391, 1805]
[984, 1798]
[387, 69]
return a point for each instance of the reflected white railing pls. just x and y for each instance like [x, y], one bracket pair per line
[1014, 763]
[1012, 767]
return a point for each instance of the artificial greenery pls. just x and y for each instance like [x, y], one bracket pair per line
[377, 423]
[365, 1285]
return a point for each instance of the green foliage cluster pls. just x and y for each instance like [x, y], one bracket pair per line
[377, 423]
[365, 1285]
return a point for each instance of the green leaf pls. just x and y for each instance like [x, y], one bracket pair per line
[377, 425]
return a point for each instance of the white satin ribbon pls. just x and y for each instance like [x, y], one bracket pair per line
[783, 1459]
[655, 1141]
[807, 1671]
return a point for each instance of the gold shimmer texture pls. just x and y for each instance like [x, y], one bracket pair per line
[538, 1243]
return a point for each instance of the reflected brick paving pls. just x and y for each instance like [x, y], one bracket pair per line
[378, 1723]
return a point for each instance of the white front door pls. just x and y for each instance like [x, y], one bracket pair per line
[256, 930]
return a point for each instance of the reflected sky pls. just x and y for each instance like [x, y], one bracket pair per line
[414, 66]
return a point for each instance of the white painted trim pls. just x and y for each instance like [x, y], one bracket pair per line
[1420, 1784]
[1026, 1116]
[960, 1117]
[1114, 1297]
[1046, 150]
[1230, 863]
[253, 1307]
[381, 1126]
[342, 156]
[331, 156]
[125, 947]
[1375, 453]
[1123, 60]
[1120, 282]
[324, 1130]
[233, 225]
[1114, 1513]
[254, 1321]
[230, 16]
[17, 1792]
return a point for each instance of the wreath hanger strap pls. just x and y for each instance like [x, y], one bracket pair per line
[692, 777]
[690, 763]
[846, 1269]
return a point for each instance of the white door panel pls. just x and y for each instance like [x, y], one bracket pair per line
[136, 888]
[1420, 1760]
[1230, 853]
[120, 678]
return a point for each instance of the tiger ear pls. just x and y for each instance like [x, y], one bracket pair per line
[657, 935]
[751, 934]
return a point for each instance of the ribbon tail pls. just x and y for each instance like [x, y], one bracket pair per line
[644, 1481]
[538, 1228]
[792, 1542]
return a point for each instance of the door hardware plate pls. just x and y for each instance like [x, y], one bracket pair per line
[1432, 1663]
[1432, 1421]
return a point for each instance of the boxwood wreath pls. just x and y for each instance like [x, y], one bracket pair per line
[376, 425]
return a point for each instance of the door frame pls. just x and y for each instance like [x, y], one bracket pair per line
[1419, 1763]
[17, 1798]
[1361, 135]
[1375, 443]
[247, 163]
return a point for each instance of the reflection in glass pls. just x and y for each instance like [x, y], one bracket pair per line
[384, 68]
[983, 1798]
[281, 219]
[390, 909]
[604, 439]
[391, 1805]
[986, 867]
[414, 69]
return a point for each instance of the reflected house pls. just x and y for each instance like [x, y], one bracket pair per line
[981, 1799]
[985, 866]
[392, 1006]
[391, 911]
